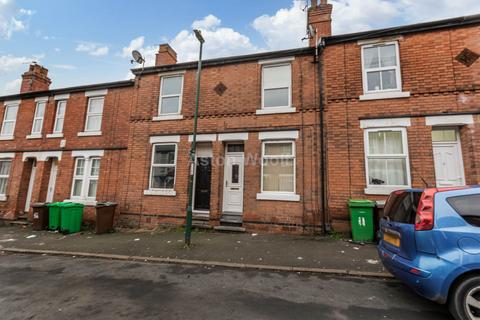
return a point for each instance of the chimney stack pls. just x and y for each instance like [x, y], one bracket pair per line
[35, 79]
[320, 18]
[165, 56]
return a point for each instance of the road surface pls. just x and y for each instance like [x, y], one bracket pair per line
[45, 287]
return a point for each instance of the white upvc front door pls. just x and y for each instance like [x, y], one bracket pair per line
[52, 181]
[449, 171]
[233, 183]
[31, 182]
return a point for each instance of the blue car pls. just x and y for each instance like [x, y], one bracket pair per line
[430, 240]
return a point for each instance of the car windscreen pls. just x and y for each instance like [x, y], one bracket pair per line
[401, 206]
[468, 207]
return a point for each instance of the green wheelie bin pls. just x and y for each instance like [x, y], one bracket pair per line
[71, 216]
[54, 215]
[361, 217]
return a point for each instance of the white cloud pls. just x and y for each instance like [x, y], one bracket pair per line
[64, 66]
[10, 62]
[12, 18]
[219, 41]
[12, 87]
[148, 52]
[285, 29]
[361, 15]
[209, 22]
[93, 49]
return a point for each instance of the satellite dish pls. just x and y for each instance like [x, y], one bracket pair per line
[137, 57]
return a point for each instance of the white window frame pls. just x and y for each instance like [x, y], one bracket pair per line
[279, 195]
[90, 114]
[162, 191]
[41, 119]
[2, 134]
[278, 109]
[86, 177]
[180, 96]
[397, 69]
[386, 189]
[57, 117]
[3, 196]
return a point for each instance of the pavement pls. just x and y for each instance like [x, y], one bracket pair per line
[60, 287]
[257, 251]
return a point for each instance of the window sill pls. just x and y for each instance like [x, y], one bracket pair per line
[166, 192]
[82, 201]
[168, 117]
[89, 133]
[275, 110]
[55, 135]
[278, 196]
[6, 137]
[384, 95]
[3, 198]
[383, 190]
[34, 136]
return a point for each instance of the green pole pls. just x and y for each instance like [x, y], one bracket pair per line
[193, 148]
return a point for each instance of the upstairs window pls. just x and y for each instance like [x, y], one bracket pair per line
[276, 86]
[171, 89]
[9, 120]
[387, 158]
[94, 114]
[59, 116]
[38, 118]
[85, 178]
[163, 166]
[381, 68]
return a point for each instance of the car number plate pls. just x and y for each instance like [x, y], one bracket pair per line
[392, 239]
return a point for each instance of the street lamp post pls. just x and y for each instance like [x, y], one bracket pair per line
[193, 148]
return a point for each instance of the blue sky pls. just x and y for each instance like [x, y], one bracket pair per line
[87, 41]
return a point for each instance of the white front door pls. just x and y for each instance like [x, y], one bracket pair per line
[30, 186]
[448, 160]
[233, 183]
[51, 181]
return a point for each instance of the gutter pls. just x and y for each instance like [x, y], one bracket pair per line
[224, 61]
[408, 29]
[33, 94]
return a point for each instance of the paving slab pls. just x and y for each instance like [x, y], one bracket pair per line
[287, 251]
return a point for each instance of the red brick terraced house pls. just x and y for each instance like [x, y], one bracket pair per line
[63, 144]
[285, 137]
[402, 110]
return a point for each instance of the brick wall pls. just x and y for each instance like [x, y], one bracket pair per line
[114, 140]
[438, 84]
[234, 111]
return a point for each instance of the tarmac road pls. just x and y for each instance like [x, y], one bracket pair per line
[45, 287]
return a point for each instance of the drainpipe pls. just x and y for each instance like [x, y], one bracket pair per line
[320, 47]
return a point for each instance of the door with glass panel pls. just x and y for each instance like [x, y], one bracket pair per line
[233, 179]
[447, 156]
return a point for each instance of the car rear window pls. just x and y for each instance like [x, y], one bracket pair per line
[401, 206]
[468, 207]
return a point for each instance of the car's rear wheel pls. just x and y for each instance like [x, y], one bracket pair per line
[464, 302]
